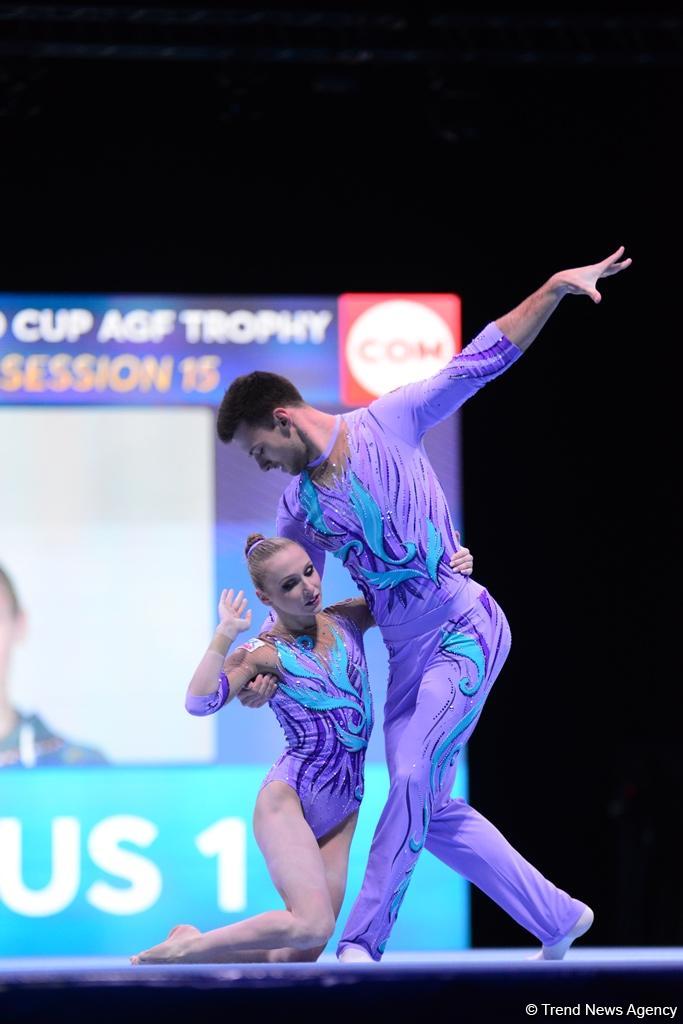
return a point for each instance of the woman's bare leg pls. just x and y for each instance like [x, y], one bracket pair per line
[334, 849]
[296, 865]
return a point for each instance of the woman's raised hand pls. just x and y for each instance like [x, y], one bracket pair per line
[233, 613]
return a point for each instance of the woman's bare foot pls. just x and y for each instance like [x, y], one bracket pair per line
[172, 950]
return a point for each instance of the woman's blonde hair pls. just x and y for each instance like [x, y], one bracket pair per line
[258, 550]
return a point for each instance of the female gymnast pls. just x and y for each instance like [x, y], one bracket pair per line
[307, 808]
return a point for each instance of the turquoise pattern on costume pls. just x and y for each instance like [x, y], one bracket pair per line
[339, 665]
[344, 551]
[395, 905]
[435, 550]
[465, 646]
[391, 578]
[400, 893]
[352, 743]
[417, 846]
[370, 519]
[320, 700]
[314, 700]
[448, 761]
[321, 706]
[445, 750]
[308, 496]
[369, 516]
[292, 664]
[367, 697]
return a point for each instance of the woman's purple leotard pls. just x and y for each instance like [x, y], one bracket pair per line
[324, 706]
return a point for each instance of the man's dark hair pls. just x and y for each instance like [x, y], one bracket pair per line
[251, 399]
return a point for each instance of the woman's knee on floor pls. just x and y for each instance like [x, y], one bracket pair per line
[314, 926]
[294, 956]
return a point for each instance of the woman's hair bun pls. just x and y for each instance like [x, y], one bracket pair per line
[251, 540]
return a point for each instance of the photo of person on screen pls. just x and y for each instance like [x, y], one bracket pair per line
[26, 741]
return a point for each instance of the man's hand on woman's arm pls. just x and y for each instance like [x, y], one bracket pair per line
[258, 691]
[462, 559]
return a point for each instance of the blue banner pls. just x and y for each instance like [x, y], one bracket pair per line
[105, 861]
[155, 350]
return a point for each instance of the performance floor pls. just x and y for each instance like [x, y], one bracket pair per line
[474, 985]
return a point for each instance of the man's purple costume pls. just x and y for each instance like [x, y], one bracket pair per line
[385, 516]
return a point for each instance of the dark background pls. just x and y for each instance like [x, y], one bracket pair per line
[300, 149]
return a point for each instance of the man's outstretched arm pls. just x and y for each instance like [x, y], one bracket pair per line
[411, 410]
[522, 324]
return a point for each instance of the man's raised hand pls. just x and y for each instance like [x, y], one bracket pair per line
[583, 280]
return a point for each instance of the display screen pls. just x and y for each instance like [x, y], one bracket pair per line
[121, 519]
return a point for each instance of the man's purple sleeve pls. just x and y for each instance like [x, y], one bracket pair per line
[287, 525]
[411, 410]
[211, 702]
